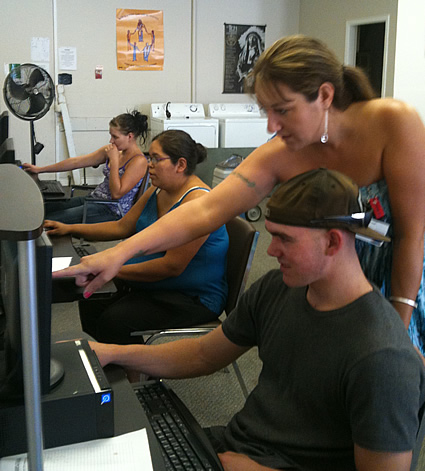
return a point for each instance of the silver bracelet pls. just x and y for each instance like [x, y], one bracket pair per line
[399, 299]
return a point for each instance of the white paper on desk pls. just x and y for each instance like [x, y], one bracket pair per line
[58, 263]
[129, 452]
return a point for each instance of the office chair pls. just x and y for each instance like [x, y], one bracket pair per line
[89, 200]
[242, 244]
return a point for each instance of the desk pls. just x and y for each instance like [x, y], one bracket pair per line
[72, 413]
[128, 413]
[64, 290]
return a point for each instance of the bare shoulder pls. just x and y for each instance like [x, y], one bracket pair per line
[192, 191]
[388, 111]
[275, 147]
[387, 123]
[271, 163]
[139, 160]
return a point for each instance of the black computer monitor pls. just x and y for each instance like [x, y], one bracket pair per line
[11, 365]
[7, 152]
[4, 126]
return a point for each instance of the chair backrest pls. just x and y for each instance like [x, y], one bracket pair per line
[242, 244]
[143, 186]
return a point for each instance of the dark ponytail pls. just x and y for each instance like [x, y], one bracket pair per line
[176, 144]
[134, 122]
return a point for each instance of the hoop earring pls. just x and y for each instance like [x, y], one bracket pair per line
[324, 138]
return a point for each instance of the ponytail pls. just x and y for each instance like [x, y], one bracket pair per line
[304, 64]
[132, 122]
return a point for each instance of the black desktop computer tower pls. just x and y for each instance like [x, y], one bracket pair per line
[78, 409]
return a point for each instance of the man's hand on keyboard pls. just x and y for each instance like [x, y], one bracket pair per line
[236, 462]
[94, 270]
[56, 228]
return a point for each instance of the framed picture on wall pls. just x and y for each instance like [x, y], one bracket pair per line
[140, 39]
[243, 44]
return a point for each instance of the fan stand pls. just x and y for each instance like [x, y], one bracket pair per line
[32, 139]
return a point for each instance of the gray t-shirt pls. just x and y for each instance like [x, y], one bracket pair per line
[329, 379]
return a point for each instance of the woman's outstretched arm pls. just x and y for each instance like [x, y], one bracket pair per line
[89, 160]
[249, 183]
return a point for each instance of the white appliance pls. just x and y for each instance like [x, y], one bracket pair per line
[189, 117]
[241, 124]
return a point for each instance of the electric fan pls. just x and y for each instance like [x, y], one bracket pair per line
[29, 92]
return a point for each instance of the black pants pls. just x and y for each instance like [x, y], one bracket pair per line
[112, 320]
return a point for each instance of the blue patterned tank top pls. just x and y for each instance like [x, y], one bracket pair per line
[102, 191]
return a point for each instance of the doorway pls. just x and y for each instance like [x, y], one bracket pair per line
[367, 47]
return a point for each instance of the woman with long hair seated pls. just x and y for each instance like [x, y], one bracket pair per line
[177, 288]
[125, 167]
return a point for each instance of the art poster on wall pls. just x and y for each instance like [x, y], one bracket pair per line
[243, 44]
[140, 39]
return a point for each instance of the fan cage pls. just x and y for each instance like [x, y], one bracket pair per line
[28, 92]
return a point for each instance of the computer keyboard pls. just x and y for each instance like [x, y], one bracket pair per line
[51, 187]
[82, 251]
[183, 443]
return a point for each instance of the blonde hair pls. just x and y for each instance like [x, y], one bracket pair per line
[304, 64]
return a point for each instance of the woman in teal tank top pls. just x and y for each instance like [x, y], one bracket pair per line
[177, 288]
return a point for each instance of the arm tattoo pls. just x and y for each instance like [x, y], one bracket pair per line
[251, 184]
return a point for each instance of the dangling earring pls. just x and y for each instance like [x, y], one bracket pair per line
[324, 138]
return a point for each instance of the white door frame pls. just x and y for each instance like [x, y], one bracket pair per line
[351, 43]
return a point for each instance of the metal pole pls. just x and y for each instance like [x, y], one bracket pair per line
[30, 352]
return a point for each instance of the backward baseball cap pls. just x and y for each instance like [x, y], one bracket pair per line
[321, 198]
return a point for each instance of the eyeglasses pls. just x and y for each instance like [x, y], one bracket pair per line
[155, 160]
[355, 219]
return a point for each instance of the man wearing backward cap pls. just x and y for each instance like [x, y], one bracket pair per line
[341, 385]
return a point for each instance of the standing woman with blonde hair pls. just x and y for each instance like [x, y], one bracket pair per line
[324, 115]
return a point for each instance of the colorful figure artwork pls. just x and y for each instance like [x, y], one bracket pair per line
[128, 40]
[135, 50]
[140, 31]
[153, 40]
[140, 27]
[146, 51]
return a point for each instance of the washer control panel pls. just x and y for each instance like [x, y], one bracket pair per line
[234, 110]
[177, 110]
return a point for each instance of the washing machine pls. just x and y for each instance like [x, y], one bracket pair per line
[240, 124]
[189, 117]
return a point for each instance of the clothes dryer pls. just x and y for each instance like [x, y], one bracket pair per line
[189, 117]
[240, 124]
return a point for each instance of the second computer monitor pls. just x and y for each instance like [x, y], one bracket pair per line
[7, 152]
[4, 126]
